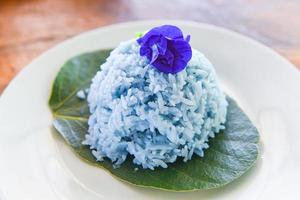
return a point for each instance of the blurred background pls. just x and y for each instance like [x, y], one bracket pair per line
[29, 27]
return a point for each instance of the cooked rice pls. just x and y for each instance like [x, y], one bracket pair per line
[155, 117]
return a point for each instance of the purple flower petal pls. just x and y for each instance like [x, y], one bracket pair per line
[185, 50]
[155, 53]
[166, 48]
[162, 45]
[188, 38]
[149, 38]
[169, 31]
[146, 51]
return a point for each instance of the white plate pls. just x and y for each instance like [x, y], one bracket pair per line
[34, 164]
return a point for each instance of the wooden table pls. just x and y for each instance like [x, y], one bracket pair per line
[29, 27]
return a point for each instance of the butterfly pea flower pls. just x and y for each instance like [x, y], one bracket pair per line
[166, 48]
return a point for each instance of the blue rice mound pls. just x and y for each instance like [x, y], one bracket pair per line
[155, 117]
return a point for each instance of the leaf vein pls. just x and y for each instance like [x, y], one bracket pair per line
[70, 95]
[74, 118]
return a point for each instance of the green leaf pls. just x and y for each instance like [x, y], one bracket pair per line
[231, 153]
[76, 74]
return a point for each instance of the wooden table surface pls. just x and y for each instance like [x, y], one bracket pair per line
[29, 27]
